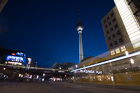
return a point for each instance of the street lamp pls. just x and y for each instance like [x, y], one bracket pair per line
[4, 68]
[84, 67]
[76, 66]
[132, 61]
[36, 64]
[126, 53]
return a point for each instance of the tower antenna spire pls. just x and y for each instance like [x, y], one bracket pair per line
[79, 28]
[79, 11]
[79, 21]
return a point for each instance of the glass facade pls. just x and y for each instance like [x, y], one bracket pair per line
[120, 71]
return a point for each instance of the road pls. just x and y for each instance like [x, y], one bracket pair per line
[63, 87]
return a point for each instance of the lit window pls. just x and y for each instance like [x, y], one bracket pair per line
[117, 50]
[112, 52]
[123, 48]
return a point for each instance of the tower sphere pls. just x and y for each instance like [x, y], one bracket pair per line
[79, 26]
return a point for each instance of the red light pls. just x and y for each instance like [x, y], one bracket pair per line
[13, 54]
[9, 63]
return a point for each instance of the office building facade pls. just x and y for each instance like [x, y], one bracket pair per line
[121, 28]
[114, 30]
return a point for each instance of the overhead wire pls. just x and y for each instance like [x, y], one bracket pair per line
[85, 32]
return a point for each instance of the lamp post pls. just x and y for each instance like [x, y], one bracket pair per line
[36, 64]
[126, 53]
[131, 60]
[76, 66]
[4, 71]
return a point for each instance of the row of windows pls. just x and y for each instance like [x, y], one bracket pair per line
[111, 29]
[110, 24]
[116, 42]
[113, 20]
[111, 15]
[118, 50]
[113, 35]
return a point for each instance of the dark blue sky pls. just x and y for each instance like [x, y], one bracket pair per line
[46, 29]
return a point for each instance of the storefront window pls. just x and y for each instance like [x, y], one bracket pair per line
[117, 50]
[123, 48]
[112, 52]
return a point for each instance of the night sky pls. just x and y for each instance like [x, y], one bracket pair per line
[46, 29]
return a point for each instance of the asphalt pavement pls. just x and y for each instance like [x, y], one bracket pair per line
[63, 87]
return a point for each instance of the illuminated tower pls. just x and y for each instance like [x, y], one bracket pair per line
[79, 28]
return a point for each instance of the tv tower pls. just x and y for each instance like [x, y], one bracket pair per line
[79, 28]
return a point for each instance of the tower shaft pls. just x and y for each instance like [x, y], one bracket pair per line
[80, 47]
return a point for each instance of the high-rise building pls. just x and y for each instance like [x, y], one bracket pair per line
[2, 4]
[130, 22]
[114, 31]
[135, 6]
[121, 28]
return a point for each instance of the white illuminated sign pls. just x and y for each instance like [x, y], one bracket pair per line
[29, 61]
[60, 71]
[90, 71]
[13, 63]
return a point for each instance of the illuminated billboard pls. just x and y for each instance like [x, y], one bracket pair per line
[13, 58]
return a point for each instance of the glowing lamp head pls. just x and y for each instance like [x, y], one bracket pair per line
[79, 26]
[132, 61]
